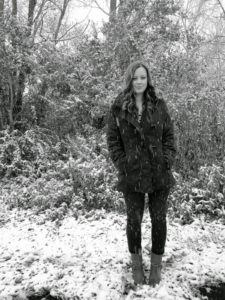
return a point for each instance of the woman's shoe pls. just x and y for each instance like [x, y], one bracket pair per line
[137, 268]
[155, 272]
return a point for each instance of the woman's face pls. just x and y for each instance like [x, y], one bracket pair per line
[139, 81]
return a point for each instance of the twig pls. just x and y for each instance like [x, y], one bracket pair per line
[223, 9]
[95, 1]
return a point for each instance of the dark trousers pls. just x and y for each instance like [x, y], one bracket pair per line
[135, 203]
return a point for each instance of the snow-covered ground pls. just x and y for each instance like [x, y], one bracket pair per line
[88, 258]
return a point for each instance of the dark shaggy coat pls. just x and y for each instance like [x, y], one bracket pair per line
[143, 152]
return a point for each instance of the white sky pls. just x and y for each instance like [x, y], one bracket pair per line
[79, 13]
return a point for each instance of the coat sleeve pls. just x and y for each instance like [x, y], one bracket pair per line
[168, 141]
[115, 143]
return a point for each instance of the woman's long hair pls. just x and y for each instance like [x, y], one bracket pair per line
[150, 97]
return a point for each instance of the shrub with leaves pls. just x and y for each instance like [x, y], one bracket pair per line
[40, 171]
[78, 173]
[94, 177]
[17, 151]
[204, 194]
[32, 166]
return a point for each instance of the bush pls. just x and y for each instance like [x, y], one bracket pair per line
[45, 174]
[199, 130]
[94, 177]
[77, 173]
[204, 194]
[33, 169]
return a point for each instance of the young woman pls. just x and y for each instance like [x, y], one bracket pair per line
[141, 145]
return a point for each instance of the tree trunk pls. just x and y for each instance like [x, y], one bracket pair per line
[16, 80]
[112, 6]
[112, 11]
[63, 11]
[11, 100]
[17, 108]
[2, 37]
[1, 9]
[36, 20]
[14, 8]
[21, 77]
[32, 4]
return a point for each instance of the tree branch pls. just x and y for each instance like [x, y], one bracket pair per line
[55, 3]
[14, 8]
[84, 3]
[113, 4]
[1, 9]
[32, 4]
[98, 6]
[65, 33]
[2, 38]
[223, 9]
[71, 38]
[63, 11]
[40, 10]
[11, 102]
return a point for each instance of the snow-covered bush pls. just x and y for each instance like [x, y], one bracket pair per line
[94, 177]
[42, 173]
[202, 195]
[32, 170]
[28, 154]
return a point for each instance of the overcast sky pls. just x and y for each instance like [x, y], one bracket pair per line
[77, 13]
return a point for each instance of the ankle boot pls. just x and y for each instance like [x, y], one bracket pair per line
[137, 268]
[155, 272]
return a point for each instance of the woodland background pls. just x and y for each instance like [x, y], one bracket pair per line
[58, 79]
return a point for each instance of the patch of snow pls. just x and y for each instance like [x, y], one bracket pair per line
[89, 258]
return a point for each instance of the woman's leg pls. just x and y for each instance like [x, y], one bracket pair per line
[158, 211]
[135, 209]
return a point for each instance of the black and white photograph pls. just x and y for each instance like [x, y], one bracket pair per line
[112, 149]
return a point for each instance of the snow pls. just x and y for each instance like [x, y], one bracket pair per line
[88, 258]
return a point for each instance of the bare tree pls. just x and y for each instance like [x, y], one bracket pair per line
[14, 7]
[61, 16]
[207, 17]
[19, 80]
[13, 79]
[222, 7]
[1, 13]
[1, 8]
[32, 4]
[101, 8]
[38, 19]
[14, 82]
[112, 12]
[1, 48]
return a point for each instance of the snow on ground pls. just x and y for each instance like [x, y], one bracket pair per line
[88, 258]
